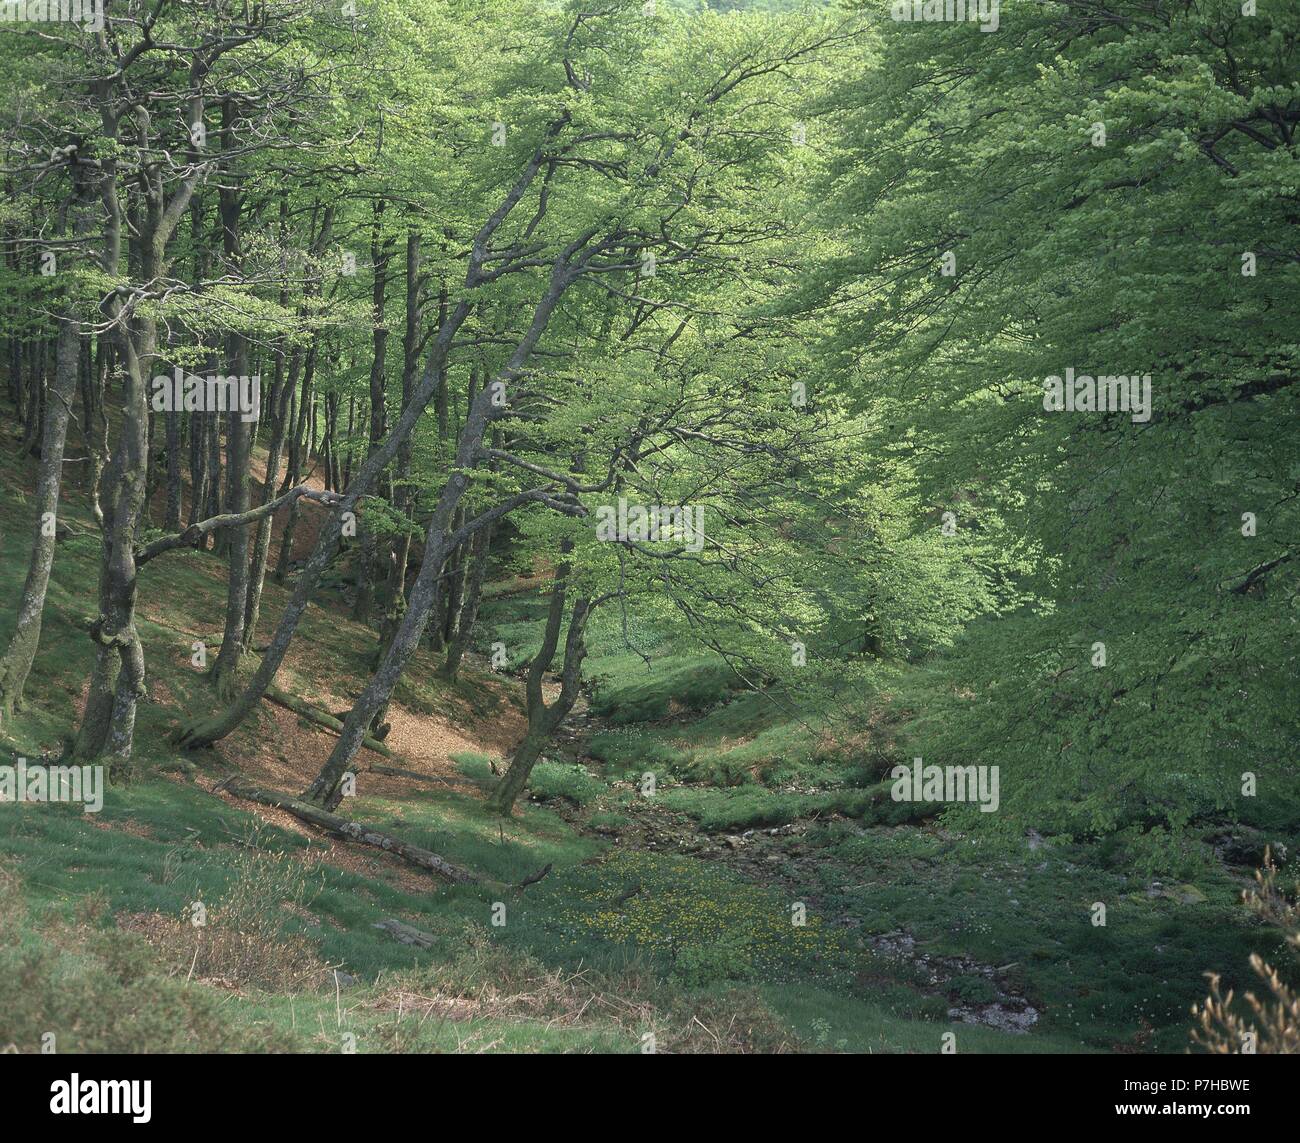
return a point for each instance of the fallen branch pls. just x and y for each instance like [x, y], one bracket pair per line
[353, 831]
[536, 877]
[1257, 573]
[320, 717]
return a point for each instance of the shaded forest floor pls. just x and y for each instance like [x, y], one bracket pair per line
[672, 915]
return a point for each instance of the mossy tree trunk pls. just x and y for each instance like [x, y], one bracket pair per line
[16, 663]
[369, 568]
[299, 449]
[464, 630]
[119, 661]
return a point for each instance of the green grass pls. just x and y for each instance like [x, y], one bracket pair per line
[635, 750]
[683, 904]
[477, 767]
[564, 780]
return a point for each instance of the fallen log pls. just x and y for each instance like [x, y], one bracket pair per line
[320, 717]
[353, 831]
[396, 772]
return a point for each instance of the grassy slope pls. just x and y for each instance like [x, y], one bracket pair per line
[702, 956]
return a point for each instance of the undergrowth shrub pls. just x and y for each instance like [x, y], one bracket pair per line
[486, 981]
[715, 962]
[247, 936]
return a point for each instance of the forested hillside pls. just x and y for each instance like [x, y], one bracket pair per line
[729, 526]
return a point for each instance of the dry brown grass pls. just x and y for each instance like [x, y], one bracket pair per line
[1272, 1025]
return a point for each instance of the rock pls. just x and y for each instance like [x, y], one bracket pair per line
[1183, 894]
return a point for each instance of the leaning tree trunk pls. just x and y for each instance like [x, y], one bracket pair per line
[424, 592]
[543, 720]
[198, 420]
[439, 540]
[506, 792]
[454, 576]
[225, 672]
[446, 579]
[262, 541]
[325, 790]
[282, 427]
[17, 660]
